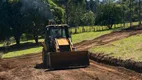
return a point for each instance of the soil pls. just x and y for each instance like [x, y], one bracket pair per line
[29, 67]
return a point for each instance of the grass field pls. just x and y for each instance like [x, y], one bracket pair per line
[90, 33]
[128, 48]
[1, 44]
[88, 36]
[22, 52]
[76, 38]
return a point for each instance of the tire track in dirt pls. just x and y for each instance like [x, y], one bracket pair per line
[111, 73]
[75, 74]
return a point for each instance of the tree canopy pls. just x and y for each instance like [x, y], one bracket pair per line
[109, 14]
[31, 16]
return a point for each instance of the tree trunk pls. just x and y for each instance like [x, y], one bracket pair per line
[17, 38]
[130, 13]
[109, 26]
[124, 24]
[139, 12]
[36, 39]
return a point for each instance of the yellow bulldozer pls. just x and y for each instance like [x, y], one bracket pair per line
[58, 50]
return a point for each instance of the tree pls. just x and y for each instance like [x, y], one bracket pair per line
[109, 15]
[35, 18]
[34, 24]
[15, 19]
[76, 10]
[73, 10]
[88, 18]
[5, 30]
[140, 12]
[132, 10]
[19, 16]
[57, 11]
[92, 5]
[107, 1]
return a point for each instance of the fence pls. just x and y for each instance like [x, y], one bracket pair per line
[82, 29]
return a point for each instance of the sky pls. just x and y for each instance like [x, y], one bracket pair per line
[102, 0]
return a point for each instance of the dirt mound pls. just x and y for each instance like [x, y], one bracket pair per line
[25, 67]
[129, 64]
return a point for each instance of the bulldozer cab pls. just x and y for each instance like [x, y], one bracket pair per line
[57, 36]
[57, 31]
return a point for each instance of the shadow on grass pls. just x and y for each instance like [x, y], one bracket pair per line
[113, 29]
[136, 27]
[22, 46]
[132, 28]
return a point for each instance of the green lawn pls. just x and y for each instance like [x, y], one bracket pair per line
[128, 48]
[22, 52]
[25, 51]
[76, 38]
[1, 44]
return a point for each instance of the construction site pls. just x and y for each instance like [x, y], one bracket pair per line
[30, 67]
[70, 40]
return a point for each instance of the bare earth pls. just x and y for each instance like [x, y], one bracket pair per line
[29, 67]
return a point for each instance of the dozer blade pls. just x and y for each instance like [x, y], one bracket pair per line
[68, 59]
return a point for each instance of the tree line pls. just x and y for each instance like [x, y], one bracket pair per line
[31, 16]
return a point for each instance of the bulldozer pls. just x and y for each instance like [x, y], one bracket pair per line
[58, 50]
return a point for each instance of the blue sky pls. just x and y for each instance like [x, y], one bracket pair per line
[102, 0]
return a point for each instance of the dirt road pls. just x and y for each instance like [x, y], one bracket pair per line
[29, 67]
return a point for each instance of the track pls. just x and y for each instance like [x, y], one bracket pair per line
[29, 67]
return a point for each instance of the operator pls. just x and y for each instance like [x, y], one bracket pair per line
[58, 35]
